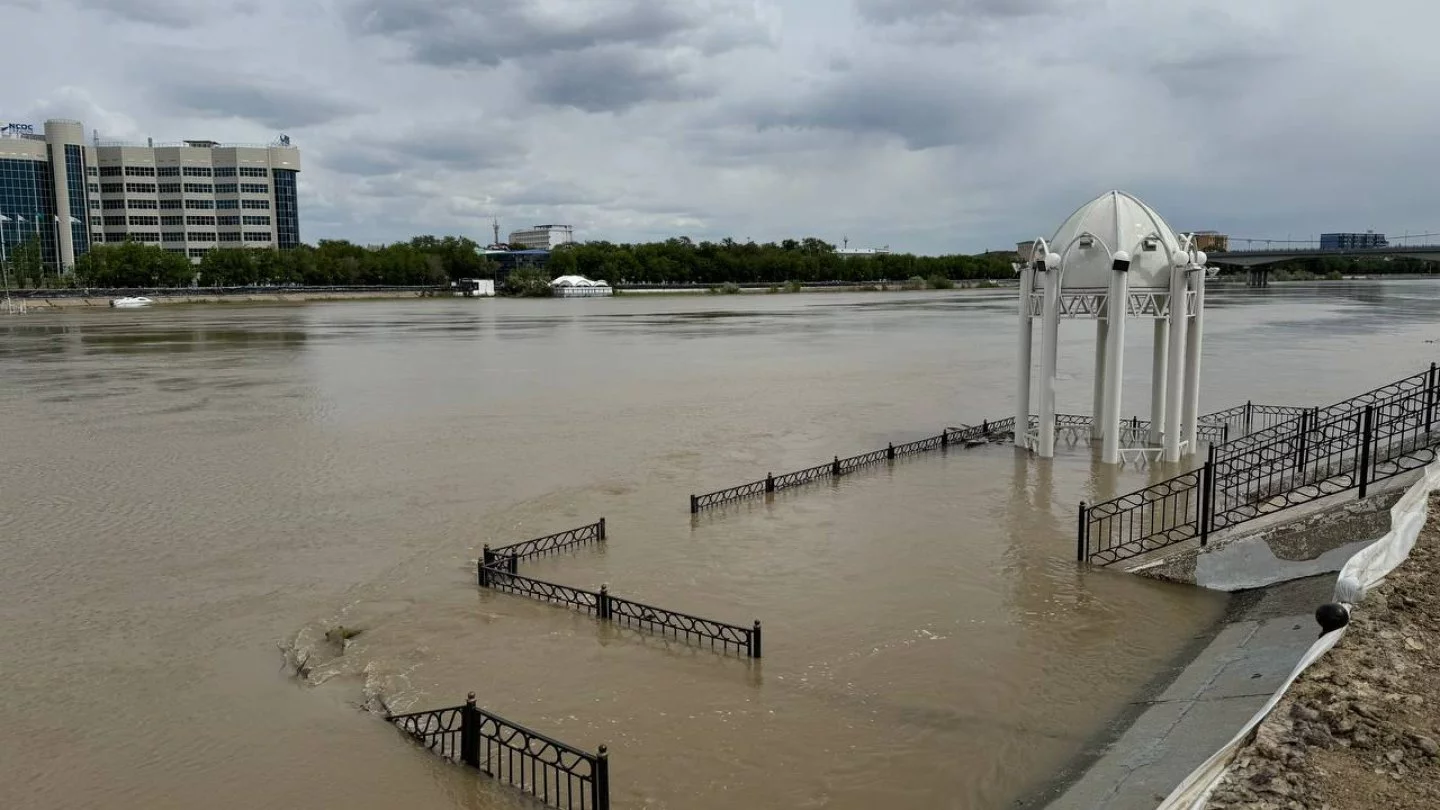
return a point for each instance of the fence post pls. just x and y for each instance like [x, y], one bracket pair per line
[755, 640]
[602, 528]
[512, 563]
[1248, 416]
[890, 451]
[1080, 535]
[470, 733]
[769, 482]
[1207, 496]
[1366, 427]
[603, 603]
[1430, 398]
[600, 785]
[835, 467]
[694, 505]
[985, 427]
[944, 438]
[1225, 433]
[487, 557]
[1300, 446]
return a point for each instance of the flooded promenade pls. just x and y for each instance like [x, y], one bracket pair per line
[185, 491]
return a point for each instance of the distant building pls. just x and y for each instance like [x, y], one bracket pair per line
[509, 261]
[1211, 241]
[543, 237]
[1352, 241]
[187, 197]
[848, 252]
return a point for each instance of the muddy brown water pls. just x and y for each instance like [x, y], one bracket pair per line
[185, 491]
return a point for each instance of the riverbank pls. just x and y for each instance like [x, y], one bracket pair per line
[70, 302]
[1359, 729]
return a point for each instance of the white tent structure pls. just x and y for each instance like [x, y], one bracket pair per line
[1113, 259]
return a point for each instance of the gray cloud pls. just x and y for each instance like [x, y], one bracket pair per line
[271, 105]
[451, 33]
[162, 13]
[889, 12]
[609, 80]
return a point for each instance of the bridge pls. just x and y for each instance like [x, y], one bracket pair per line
[1256, 258]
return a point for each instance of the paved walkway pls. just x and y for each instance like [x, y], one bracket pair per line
[1208, 701]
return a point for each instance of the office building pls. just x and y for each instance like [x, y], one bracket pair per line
[543, 237]
[188, 197]
[1352, 241]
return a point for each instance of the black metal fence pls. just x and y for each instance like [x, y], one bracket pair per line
[498, 569]
[1323, 451]
[555, 773]
[843, 466]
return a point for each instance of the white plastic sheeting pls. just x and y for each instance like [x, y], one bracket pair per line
[1362, 572]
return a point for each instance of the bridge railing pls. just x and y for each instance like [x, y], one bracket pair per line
[1349, 445]
[554, 773]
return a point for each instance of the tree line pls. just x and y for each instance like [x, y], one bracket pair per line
[433, 260]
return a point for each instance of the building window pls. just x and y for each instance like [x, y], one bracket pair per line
[111, 171]
[144, 236]
[257, 236]
[143, 205]
[200, 236]
[96, 222]
[114, 205]
[251, 171]
[173, 236]
[139, 171]
[170, 205]
[229, 236]
[259, 205]
[225, 188]
[169, 188]
[91, 171]
[227, 205]
[168, 171]
[94, 188]
[196, 171]
[254, 188]
[225, 171]
[113, 221]
[199, 188]
[144, 220]
[140, 188]
[112, 188]
[252, 220]
[193, 220]
[94, 205]
[287, 210]
[198, 253]
[200, 205]
[172, 220]
[230, 220]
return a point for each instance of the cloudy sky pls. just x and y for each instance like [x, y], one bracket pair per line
[929, 125]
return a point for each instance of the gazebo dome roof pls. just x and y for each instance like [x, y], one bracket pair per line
[1112, 222]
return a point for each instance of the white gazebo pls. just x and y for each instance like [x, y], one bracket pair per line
[1115, 258]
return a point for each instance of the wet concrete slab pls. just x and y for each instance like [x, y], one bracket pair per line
[1191, 717]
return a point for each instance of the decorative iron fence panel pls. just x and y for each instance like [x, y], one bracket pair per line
[1157, 516]
[555, 773]
[655, 619]
[550, 544]
[502, 579]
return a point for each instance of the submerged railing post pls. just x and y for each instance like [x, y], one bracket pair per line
[1366, 428]
[944, 438]
[1080, 536]
[694, 504]
[1249, 409]
[602, 605]
[486, 557]
[600, 785]
[890, 451]
[602, 528]
[1207, 496]
[470, 733]
[755, 640]
[769, 482]
[835, 467]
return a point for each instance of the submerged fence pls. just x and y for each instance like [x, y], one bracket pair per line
[556, 773]
[842, 466]
[498, 569]
[1322, 451]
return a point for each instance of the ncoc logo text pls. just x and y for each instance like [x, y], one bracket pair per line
[17, 129]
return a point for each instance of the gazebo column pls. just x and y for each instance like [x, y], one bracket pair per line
[1157, 381]
[1099, 426]
[1175, 386]
[1024, 361]
[1114, 371]
[1049, 349]
[1192, 358]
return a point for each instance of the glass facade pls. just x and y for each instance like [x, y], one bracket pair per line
[287, 210]
[79, 208]
[28, 201]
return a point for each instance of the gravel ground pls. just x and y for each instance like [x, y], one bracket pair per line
[1360, 728]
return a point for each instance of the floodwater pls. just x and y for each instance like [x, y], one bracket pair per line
[187, 491]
